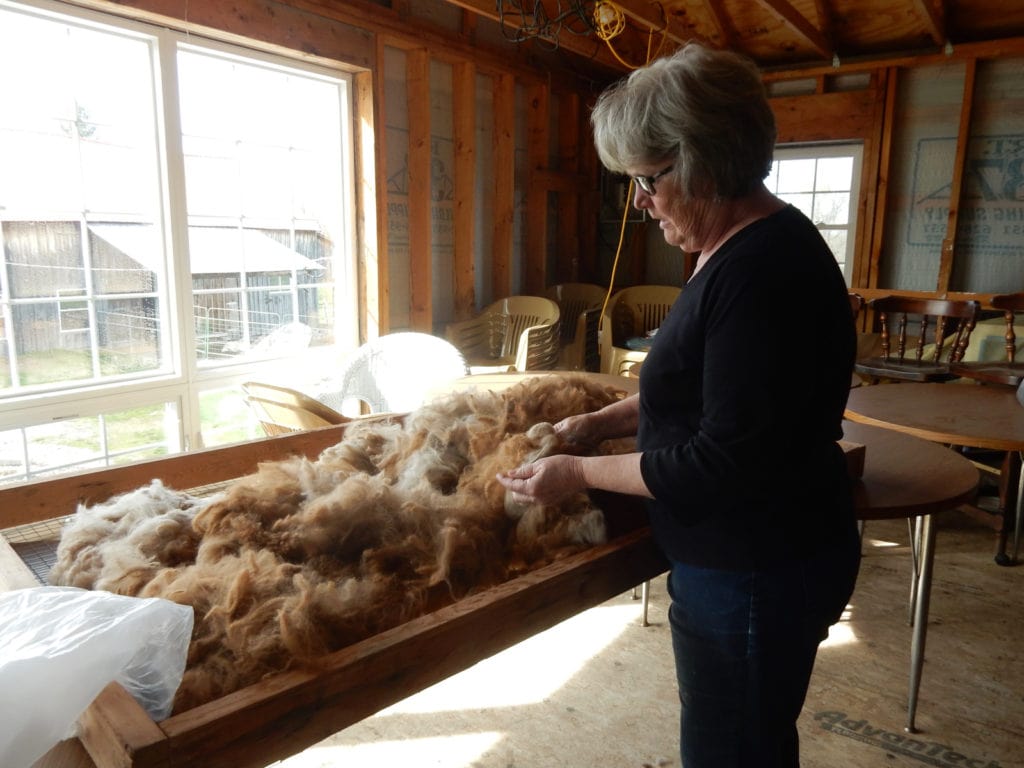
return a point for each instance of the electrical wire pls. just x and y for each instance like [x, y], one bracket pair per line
[618, 250]
[609, 23]
[535, 24]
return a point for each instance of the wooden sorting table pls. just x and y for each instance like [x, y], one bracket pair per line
[293, 710]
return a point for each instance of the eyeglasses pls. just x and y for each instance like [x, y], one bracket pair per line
[646, 183]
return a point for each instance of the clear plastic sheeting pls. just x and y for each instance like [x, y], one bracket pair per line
[60, 646]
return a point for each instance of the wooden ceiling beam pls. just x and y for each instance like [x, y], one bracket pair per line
[825, 20]
[793, 19]
[935, 19]
[722, 23]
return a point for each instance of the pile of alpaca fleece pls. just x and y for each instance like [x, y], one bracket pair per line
[304, 557]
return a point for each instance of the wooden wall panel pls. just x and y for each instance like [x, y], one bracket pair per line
[825, 116]
[536, 214]
[420, 230]
[292, 26]
[464, 225]
[371, 263]
[567, 254]
[956, 187]
[504, 159]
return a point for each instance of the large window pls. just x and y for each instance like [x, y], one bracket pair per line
[175, 217]
[823, 181]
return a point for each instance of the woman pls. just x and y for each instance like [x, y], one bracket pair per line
[736, 424]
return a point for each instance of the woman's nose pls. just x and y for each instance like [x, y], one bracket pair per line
[641, 199]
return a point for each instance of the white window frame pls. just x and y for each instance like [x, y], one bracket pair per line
[182, 384]
[818, 151]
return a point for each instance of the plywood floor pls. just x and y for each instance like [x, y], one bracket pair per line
[597, 690]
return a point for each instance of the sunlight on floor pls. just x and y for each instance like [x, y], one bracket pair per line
[529, 672]
[882, 544]
[839, 634]
[445, 751]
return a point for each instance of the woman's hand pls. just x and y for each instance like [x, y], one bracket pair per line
[578, 431]
[544, 481]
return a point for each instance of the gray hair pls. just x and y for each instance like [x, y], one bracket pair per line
[706, 108]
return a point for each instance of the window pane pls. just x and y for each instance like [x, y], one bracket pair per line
[219, 329]
[796, 175]
[126, 258]
[822, 180]
[88, 442]
[834, 174]
[836, 239]
[804, 202]
[226, 418]
[77, 126]
[128, 336]
[6, 374]
[43, 258]
[258, 143]
[45, 354]
[831, 209]
[79, 181]
[85, 257]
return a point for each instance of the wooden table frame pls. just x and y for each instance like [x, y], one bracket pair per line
[293, 710]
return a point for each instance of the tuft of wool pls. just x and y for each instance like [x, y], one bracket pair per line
[304, 557]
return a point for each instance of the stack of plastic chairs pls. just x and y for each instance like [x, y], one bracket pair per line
[518, 333]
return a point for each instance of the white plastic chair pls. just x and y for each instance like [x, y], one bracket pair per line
[580, 308]
[632, 312]
[516, 333]
[392, 374]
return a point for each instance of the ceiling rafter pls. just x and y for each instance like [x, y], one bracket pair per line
[825, 21]
[935, 19]
[721, 22]
[793, 19]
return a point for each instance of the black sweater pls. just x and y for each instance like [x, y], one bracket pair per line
[741, 402]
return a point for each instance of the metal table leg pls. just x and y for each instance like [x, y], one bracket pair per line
[924, 589]
[1015, 480]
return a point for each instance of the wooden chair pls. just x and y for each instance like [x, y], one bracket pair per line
[518, 333]
[1007, 371]
[280, 409]
[394, 373]
[579, 305]
[1000, 470]
[631, 314]
[943, 329]
[856, 304]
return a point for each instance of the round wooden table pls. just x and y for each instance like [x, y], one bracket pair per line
[972, 415]
[906, 476]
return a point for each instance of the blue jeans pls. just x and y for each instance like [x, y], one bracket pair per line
[744, 645]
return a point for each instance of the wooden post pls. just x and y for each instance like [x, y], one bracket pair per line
[464, 235]
[535, 257]
[956, 187]
[421, 317]
[504, 159]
